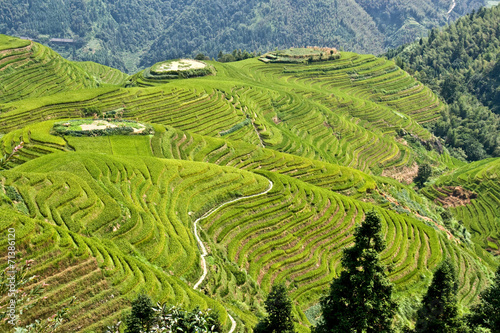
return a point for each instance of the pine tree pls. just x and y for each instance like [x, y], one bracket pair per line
[360, 299]
[487, 312]
[439, 310]
[142, 315]
[279, 308]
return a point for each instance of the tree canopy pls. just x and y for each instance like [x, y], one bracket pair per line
[360, 299]
[439, 310]
[461, 62]
[487, 312]
[115, 32]
[279, 309]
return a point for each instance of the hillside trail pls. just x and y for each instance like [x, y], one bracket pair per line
[453, 4]
[204, 250]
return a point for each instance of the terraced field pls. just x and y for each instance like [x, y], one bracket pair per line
[479, 209]
[344, 111]
[104, 74]
[105, 217]
[33, 70]
[136, 211]
[302, 243]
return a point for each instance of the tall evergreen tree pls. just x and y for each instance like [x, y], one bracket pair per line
[487, 312]
[141, 317]
[360, 299]
[279, 308]
[439, 310]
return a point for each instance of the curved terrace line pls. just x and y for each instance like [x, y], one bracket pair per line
[203, 248]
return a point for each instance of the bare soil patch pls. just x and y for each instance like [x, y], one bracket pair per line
[102, 124]
[457, 196]
[181, 65]
[404, 174]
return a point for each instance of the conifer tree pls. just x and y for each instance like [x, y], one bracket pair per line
[141, 317]
[279, 308]
[439, 310]
[487, 312]
[360, 299]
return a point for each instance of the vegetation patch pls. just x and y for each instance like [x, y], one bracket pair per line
[93, 127]
[303, 54]
[236, 127]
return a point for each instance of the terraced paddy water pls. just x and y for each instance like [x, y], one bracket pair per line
[120, 210]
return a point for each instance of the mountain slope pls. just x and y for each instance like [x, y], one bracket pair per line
[288, 156]
[461, 62]
[33, 70]
[112, 32]
[328, 111]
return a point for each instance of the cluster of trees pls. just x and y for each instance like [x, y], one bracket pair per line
[423, 174]
[170, 29]
[361, 298]
[145, 317]
[236, 55]
[462, 63]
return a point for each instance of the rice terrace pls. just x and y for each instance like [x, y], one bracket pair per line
[203, 184]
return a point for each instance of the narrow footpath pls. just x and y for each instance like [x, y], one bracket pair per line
[203, 248]
[453, 4]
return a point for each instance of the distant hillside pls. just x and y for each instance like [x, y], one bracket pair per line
[462, 63]
[115, 33]
[29, 69]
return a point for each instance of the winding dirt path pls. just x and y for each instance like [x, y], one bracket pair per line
[203, 248]
[453, 4]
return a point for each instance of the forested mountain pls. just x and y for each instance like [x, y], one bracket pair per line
[116, 32]
[462, 62]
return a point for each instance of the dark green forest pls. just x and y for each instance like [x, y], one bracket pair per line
[129, 33]
[462, 63]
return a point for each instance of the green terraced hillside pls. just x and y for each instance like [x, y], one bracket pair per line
[104, 74]
[29, 69]
[344, 111]
[472, 194]
[271, 165]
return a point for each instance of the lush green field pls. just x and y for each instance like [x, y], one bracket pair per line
[104, 74]
[9, 43]
[29, 69]
[289, 156]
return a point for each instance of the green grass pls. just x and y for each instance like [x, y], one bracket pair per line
[8, 42]
[481, 215]
[104, 74]
[36, 71]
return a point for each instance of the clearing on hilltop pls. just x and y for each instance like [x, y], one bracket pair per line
[164, 71]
